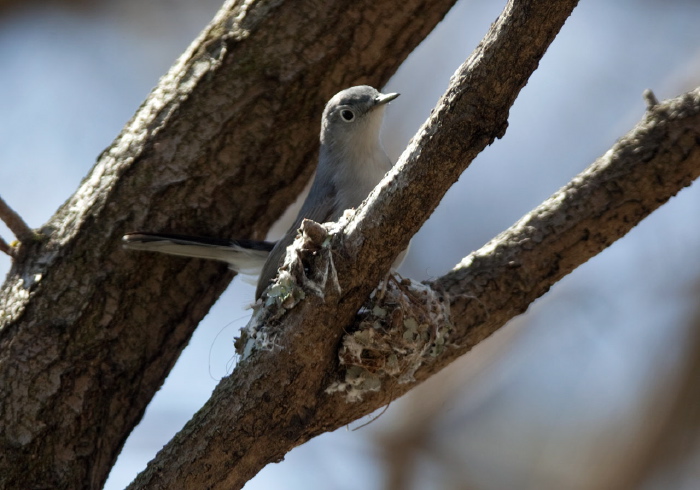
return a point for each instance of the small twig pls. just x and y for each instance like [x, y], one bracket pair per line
[650, 99]
[6, 248]
[386, 407]
[15, 223]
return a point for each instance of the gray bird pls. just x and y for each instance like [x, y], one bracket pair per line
[351, 163]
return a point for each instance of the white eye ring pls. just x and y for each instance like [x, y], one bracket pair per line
[347, 115]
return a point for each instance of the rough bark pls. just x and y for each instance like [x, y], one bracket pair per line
[271, 404]
[278, 398]
[221, 146]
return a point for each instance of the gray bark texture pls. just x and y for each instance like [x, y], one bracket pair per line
[89, 332]
[221, 147]
[325, 367]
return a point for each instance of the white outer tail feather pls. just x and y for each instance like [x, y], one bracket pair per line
[243, 260]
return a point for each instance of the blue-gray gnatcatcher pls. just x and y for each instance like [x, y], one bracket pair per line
[351, 163]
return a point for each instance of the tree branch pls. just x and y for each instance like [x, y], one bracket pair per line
[277, 399]
[643, 170]
[6, 248]
[222, 145]
[15, 222]
[256, 414]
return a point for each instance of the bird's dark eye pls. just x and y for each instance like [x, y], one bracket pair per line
[347, 115]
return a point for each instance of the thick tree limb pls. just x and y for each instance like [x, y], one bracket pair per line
[277, 399]
[231, 436]
[221, 147]
[643, 170]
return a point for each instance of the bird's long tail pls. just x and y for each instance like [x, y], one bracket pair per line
[244, 256]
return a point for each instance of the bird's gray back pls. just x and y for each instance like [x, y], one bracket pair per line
[351, 163]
